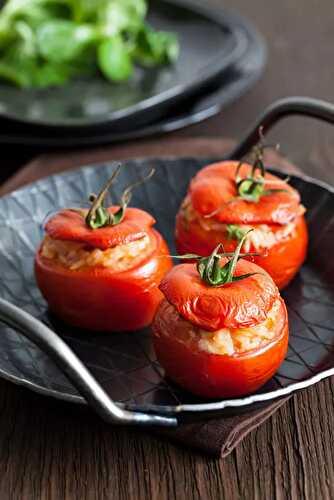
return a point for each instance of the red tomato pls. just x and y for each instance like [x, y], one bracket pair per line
[211, 188]
[214, 186]
[214, 375]
[238, 304]
[97, 298]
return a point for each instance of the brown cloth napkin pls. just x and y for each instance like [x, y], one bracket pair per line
[216, 437]
[220, 436]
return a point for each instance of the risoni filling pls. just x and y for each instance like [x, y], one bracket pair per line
[261, 237]
[75, 255]
[226, 341]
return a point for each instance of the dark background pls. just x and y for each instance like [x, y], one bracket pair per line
[52, 450]
[300, 38]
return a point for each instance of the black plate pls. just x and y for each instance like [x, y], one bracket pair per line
[209, 43]
[125, 363]
[240, 77]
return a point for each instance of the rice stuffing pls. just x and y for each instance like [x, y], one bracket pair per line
[226, 341]
[261, 237]
[74, 255]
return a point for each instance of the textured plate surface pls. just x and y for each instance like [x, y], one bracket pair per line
[125, 363]
[209, 43]
[240, 77]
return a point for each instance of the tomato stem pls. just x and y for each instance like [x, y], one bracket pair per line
[252, 187]
[98, 215]
[210, 270]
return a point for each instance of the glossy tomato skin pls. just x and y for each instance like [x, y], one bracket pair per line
[281, 261]
[102, 300]
[215, 375]
[214, 187]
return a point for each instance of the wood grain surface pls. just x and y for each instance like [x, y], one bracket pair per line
[57, 451]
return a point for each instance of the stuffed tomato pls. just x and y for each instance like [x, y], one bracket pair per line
[227, 199]
[100, 269]
[220, 338]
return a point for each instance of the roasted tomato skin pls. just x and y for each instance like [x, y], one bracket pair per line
[240, 304]
[281, 261]
[215, 375]
[100, 299]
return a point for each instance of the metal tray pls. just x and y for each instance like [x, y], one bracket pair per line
[124, 364]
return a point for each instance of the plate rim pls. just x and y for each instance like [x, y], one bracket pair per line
[218, 15]
[242, 402]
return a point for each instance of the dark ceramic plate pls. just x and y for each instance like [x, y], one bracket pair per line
[125, 363]
[210, 42]
[240, 77]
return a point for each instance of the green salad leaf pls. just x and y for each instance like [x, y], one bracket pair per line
[47, 42]
[155, 47]
[114, 59]
[122, 16]
[62, 41]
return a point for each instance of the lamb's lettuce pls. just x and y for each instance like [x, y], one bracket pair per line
[48, 42]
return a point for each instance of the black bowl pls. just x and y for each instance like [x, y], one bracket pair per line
[210, 42]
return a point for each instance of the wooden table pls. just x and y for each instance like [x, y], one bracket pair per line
[57, 451]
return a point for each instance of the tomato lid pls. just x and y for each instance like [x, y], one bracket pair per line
[214, 187]
[70, 225]
[238, 304]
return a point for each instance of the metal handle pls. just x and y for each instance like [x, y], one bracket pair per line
[305, 106]
[74, 369]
